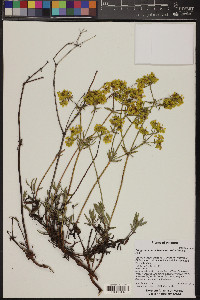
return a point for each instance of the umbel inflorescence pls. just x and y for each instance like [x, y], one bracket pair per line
[132, 108]
[125, 109]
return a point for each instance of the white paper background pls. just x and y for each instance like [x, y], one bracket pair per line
[160, 185]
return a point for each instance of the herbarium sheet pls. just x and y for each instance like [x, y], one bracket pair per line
[99, 165]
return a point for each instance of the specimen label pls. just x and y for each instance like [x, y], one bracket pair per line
[164, 269]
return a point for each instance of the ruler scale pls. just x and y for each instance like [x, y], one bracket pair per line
[148, 9]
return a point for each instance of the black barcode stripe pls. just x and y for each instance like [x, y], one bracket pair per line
[117, 288]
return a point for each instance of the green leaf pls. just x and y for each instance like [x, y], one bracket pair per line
[108, 217]
[24, 194]
[26, 207]
[106, 221]
[27, 183]
[137, 223]
[112, 156]
[42, 232]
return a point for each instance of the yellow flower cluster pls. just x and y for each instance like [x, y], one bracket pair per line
[69, 140]
[76, 130]
[115, 85]
[132, 109]
[95, 97]
[127, 95]
[136, 93]
[108, 138]
[100, 129]
[143, 131]
[106, 87]
[135, 108]
[64, 97]
[118, 84]
[159, 141]
[121, 92]
[146, 80]
[174, 100]
[157, 126]
[117, 122]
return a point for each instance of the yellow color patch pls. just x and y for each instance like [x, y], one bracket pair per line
[31, 4]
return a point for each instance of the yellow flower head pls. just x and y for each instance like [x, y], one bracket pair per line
[64, 97]
[107, 138]
[157, 126]
[159, 140]
[100, 129]
[117, 122]
[143, 131]
[118, 84]
[174, 100]
[95, 97]
[106, 87]
[136, 93]
[75, 130]
[146, 80]
[132, 109]
[69, 141]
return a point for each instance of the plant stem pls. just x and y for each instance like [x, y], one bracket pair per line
[29, 253]
[76, 44]
[91, 191]
[47, 172]
[101, 172]
[122, 179]
[92, 279]
[55, 101]
[100, 261]
[93, 80]
[67, 166]
[96, 174]
[90, 122]
[73, 171]
[126, 161]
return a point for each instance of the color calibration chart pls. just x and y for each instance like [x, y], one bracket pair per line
[57, 8]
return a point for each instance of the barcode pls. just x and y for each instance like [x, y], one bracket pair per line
[117, 288]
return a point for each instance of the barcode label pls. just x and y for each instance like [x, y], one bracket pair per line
[117, 289]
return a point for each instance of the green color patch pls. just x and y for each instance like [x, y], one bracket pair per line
[62, 4]
[16, 4]
[70, 11]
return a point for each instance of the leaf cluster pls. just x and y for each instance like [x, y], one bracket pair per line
[98, 215]
[137, 222]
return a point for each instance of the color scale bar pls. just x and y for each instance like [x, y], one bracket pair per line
[27, 8]
[74, 8]
[67, 8]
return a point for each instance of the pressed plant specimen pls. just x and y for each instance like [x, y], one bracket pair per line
[100, 119]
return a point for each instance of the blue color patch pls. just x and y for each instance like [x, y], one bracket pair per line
[85, 4]
[77, 11]
[46, 4]
[8, 4]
